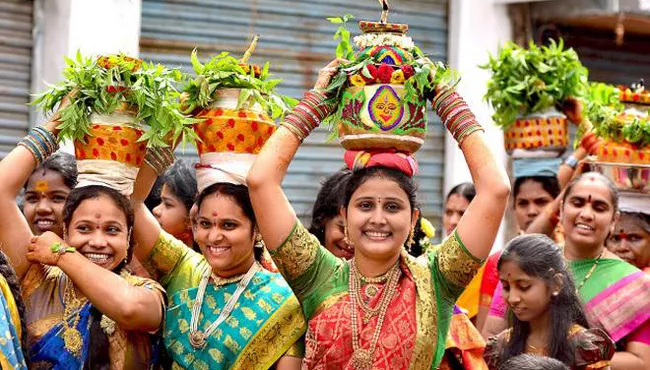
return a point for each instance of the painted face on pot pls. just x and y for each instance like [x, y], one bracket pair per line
[99, 231]
[386, 108]
[225, 235]
[588, 214]
[45, 196]
[527, 296]
[631, 240]
[379, 218]
[335, 238]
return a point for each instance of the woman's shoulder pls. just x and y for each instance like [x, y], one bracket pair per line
[140, 281]
[591, 346]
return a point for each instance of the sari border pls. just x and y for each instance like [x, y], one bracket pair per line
[623, 306]
[289, 317]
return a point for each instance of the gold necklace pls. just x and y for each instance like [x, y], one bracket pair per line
[590, 272]
[198, 338]
[72, 338]
[362, 358]
[369, 312]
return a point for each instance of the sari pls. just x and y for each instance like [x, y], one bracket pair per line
[592, 349]
[616, 299]
[11, 353]
[465, 345]
[417, 319]
[265, 324]
[43, 291]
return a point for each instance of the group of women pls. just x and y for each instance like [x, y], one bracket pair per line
[343, 294]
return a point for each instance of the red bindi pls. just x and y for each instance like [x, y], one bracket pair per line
[215, 214]
[98, 215]
[622, 235]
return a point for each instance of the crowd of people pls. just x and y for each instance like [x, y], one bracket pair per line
[225, 276]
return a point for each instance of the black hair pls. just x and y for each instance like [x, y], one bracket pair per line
[527, 361]
[613, 191]
[62, 163]
[416, 249]
[328, 202]
[238, 193]
[98, 356]
[539, 257]
[153, 199]
[7, 271]
[550, 184]
[78, 195]
[464, 189]
[181, 180]
[405, 182]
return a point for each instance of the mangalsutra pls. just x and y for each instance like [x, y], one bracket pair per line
[590, 272]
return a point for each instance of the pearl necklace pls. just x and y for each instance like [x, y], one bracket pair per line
[198, 338]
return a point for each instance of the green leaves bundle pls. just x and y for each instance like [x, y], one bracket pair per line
[103, 85]
[526, 81]
[224, 71]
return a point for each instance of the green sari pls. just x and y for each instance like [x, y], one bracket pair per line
[265, 324]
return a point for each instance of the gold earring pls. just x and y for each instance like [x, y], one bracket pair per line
[410, 241]
[346, 238]
[128, 237]
[65, 232]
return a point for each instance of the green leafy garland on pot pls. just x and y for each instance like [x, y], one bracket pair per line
[418, 73]
[526, 81]
[224, 71]
[103, 85]
[607, 115]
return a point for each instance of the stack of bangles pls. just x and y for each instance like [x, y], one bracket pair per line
[159, 159]
[308, 114]
[40, 142]
[455, 114]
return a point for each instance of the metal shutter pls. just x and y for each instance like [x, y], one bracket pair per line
[297, 39]
[15, 71]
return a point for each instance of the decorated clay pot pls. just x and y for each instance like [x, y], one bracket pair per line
[377, 117]
[230, 137]
[626, 177]
[622, 153]
[112, 153]
[546, 131]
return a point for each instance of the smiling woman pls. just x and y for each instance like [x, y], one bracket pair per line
[83, 309]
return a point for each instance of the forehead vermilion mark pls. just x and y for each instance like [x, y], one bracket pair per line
[215, 214]
[98, 215]
[622, 235]
[42, 186]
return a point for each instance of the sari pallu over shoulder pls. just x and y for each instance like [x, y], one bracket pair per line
[43, 289]
[265, 324]
[11, 353]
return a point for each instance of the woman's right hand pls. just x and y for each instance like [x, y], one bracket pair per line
[53, 123]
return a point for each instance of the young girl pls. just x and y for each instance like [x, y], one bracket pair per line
[546, 313]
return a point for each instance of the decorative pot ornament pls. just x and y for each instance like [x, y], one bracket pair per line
[543, 134]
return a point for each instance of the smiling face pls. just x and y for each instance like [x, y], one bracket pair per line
[631, 241]
[98, 230]
[45, 196]
[225, 235]
[172, 214]
[588, 215]
[530, 202]
[527, 296]
[379, 218]
[335, 238]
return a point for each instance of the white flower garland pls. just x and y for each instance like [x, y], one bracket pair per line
[389, 39]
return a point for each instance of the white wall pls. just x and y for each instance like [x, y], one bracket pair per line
[93, 27]
[476, 28]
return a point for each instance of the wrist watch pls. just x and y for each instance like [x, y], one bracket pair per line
[571, 161]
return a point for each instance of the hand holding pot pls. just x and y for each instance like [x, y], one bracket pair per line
[325, 75]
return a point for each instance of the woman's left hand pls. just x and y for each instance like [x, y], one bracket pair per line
[40, 249]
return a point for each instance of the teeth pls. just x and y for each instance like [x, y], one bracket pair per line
[218, 249]
[97, 257]
[375, 234]
[584, 227]
[44, 223]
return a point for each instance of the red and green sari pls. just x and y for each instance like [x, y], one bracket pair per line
[414, 332]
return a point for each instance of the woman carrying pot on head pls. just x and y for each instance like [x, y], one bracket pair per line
[588, 213]
[631, 237]
[46, 190]
[327, 223]
[388, 294]
[177, 196]
[83, 309]
[226, 311]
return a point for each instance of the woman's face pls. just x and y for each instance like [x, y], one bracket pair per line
[335, 238]
[379, 218]
[225, 235]
[631, 241]
[530, 202]
[99, 231]
[172, 214]
[528, 296]
[588, 214]
[45, 196]
[455, 207]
